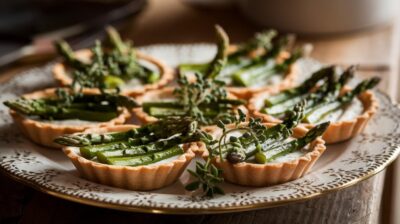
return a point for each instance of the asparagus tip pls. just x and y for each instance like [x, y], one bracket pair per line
[223, 39]
[319, 129]
[373, 82]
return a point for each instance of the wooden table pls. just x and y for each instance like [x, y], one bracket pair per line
[376, 50]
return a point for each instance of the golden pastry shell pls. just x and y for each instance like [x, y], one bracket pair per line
[43, 133]
[148, 177]
[337, 131]
[260, 175]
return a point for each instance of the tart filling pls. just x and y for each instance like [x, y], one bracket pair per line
[119, 66]
[131, 157]
[43, 117]
[348, 109]
[254, 66]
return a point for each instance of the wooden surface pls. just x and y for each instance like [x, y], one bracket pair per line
[170, 21]
[354, 205]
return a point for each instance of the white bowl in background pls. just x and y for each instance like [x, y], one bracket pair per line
[318, 16]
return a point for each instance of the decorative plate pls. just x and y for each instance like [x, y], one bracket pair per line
[49, 170]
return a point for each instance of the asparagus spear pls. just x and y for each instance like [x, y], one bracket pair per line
[143, 159]
[323, 110]
[166, 112]
[116, 40]
[269, 137]
[73, 106]
[263, 71]
[260, 40]
[174, 108]
[91, 151]
[65, 50]
[176, 104]
[45, 111]
[160, 129]
[125, 56]
[108, 69]
[328, 90]
[146, 148]
[260, 67]
[301, 89]
[294, 145]
[220, 58]
[119, 100]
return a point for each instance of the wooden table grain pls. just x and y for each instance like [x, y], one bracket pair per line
[376, 50]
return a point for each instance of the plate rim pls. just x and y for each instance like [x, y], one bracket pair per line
[212, 210]
[209, 210]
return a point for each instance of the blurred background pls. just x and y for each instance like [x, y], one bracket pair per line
[29, 27]
[343, 32]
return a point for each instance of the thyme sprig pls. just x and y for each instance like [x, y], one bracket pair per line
[203, 91]
[207, 175]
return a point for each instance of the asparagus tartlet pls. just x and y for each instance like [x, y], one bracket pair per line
[327, 99]
[259, 154]
[205, 100]
[258, 65]
[136, 158]
[119, 65]
[46, 114]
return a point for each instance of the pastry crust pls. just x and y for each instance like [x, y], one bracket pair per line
[148, 177]
[337, 131]
[166, 73]
[165, 93]
[260, 175]
[43, 133]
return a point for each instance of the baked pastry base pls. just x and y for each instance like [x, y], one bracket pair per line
[43, 133]
[148, 177]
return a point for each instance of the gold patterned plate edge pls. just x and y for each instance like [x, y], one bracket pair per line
[146, 209]
[211, 210]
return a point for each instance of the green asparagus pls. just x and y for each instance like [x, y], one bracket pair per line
[219, 61]
[65, 50]
[264, 67]
[143, 159]
[54, 112]
[294, 145]
[204, 100]
[107, 69]
[73, 106]
[328, 90]
[240, 68]
[322, 110]
[235, 60]
[133, 150]
[302, 89]
[267, 136]
[158, 130]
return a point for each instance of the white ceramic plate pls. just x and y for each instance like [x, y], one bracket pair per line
[48, 170]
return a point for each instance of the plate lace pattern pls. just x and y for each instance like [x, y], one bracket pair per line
[369, 153]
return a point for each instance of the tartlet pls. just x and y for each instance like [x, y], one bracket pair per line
[43, 133]
[259, 175]
[287, 81]
[337, 131]
[60, 73]
[147, 177]
[160, 94]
